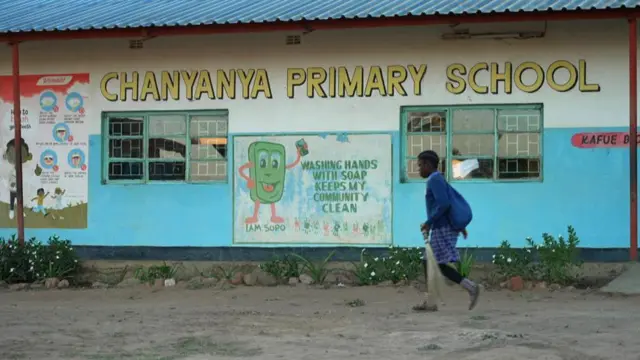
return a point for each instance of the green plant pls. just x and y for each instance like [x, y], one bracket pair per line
[226, 273]
[60, 260]
[35, 261]
[275, 268]
[317, 270]
[465, 265]
[558, 258]
[291, 266]
[402, 264]
[154, 272]
[367, 271]
[512, 262]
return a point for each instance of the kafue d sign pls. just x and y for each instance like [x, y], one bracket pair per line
[601, 140]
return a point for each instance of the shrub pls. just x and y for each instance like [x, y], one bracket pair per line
[291, 266]
[36, 261]
[555, 260]
[317, 270]
[154, 272]
[402, 264]
[275, 268]
[512, 262]
[280, 269]
[399, 264]
[368, 270]
[557, 257]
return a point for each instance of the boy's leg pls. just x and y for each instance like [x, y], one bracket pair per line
[471, 287]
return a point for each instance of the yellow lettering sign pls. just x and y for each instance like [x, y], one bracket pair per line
[528, 77]
[340, 82]
[197, 84]
[357, 82]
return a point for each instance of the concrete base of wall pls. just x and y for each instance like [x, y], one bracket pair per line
[250, 254]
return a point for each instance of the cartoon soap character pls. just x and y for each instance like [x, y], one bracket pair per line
[267, 175]
[40, 196]
[10, 156]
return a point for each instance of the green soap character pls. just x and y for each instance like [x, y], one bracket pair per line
[267, 174]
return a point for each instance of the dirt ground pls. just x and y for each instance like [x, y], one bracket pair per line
[309, 323]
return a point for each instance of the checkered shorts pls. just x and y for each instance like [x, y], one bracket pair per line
[443, 242]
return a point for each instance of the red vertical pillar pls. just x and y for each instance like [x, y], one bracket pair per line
[633, 134]
[17, 122]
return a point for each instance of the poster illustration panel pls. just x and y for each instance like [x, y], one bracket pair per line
[313, 189]
[55, 138]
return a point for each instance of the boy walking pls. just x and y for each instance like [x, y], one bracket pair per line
[448, 214]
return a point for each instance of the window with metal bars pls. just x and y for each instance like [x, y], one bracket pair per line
[506, 140]
[172, 146]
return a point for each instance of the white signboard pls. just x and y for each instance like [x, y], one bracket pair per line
[313, 189]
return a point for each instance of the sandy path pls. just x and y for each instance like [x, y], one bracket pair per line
[301, 323]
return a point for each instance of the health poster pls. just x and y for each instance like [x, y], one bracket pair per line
[313, 189]
[54, 150]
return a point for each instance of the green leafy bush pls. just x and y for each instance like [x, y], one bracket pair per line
[275, 268]
[36, 261]
[558, 258]
[368, 270]
[281, 269]
[402, 264]
[399, 264]
[154, 272]
[514, 262]
[555, 260]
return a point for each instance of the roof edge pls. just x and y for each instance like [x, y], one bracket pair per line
[306, 25]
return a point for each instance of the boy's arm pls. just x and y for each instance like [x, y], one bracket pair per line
[438, 187]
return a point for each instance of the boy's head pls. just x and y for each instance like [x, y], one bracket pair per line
[58, 191]
[40, 192]
[427, 163]
[10, 154]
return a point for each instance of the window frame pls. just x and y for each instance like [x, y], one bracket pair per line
[145, 115]
[449, 109]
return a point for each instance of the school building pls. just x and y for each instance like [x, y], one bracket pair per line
[193, 131]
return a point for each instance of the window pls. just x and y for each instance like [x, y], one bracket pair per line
[165, 146]
[505, 140]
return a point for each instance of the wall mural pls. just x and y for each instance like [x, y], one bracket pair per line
[316, 189]
[55, 151]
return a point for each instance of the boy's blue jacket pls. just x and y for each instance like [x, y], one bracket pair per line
[445, 206]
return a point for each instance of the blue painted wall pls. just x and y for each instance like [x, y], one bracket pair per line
[584, 188]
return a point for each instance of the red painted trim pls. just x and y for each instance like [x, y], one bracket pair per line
[599, 140]
[633, 145]
[17, 131]
[319, 25]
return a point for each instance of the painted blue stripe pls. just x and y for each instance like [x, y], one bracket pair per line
[580, 185]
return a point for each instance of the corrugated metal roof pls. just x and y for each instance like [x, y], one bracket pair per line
[48, 15]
